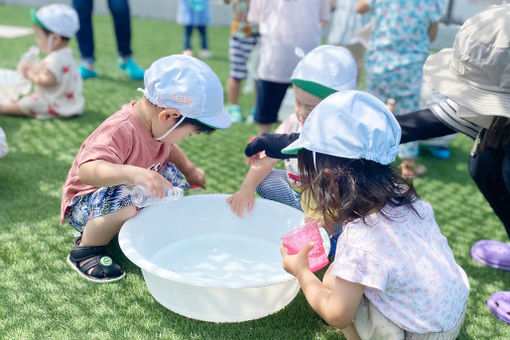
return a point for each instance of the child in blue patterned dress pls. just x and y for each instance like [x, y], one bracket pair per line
[399, 45]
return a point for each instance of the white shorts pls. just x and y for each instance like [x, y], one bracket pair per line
[371, 324]
[36, 107]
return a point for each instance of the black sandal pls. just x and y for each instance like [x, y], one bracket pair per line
[104, 269]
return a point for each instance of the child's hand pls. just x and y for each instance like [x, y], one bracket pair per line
[196, 177]
[390, 104]
[294, 264]
[253, 159]
[151, 180]
[23, 67]
[241, 201]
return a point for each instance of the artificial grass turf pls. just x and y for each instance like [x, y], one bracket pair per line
[42, 297]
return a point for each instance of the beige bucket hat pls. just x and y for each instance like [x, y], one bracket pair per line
[475, 73]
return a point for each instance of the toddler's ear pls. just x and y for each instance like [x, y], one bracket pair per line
[168, 114]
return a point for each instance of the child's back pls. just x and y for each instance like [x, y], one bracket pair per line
[394, 273]
[407, 267]
[283, 26]
[65, 98]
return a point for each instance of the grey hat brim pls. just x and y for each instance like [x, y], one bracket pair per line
[436, 73]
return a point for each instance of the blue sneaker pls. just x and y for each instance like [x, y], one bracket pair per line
[441, 152]
[87, 73]
[132, 69]
[235, 113]
[251, 116]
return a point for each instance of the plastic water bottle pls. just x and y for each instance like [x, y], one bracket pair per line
[141, 197]
[32, 55]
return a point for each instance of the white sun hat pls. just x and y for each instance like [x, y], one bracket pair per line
[326, 70]
[188, 85]
[350, 124]
[57, 18]
[475, 73]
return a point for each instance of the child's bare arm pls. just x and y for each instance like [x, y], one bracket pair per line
[244, 198]
[103, 174]
[362, 7]
[194, 175]
[40, 76]
[433, 28]
[337, 302]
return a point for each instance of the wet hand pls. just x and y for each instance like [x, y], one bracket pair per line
[241, 201]
[152, 181]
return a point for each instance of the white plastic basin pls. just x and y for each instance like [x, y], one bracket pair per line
[201, 261]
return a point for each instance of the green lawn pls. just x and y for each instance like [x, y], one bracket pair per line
[41, 297]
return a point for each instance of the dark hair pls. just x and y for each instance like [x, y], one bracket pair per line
[47, 32]
[345, 189]
[198, 125]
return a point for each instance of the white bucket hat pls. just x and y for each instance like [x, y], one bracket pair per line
[57, 18]
[188, 85]
[325, 70]
[350, 124]
[475, 73]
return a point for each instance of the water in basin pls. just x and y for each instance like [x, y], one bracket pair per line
[222, 256]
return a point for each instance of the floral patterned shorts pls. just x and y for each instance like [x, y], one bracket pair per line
[110, 199]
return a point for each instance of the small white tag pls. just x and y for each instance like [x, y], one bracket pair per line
[77, 234]
[299, 52]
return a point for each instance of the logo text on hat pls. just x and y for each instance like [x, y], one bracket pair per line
[182, 99]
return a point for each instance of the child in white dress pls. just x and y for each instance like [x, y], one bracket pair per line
[57, 83]
[394, 273]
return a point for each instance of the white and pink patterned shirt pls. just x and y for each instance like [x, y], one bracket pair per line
[66, 97]
[406, 266]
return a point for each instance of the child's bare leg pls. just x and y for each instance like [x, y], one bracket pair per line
[264, 128]
[233, 89]
[100, 230]
[11, 108]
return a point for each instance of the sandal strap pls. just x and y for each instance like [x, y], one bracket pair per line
[80, 253]
[102, 267]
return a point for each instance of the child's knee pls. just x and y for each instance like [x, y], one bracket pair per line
[127, 212]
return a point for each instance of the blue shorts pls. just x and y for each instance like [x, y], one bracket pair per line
[239, 50]
[110, 199]
[269, 99]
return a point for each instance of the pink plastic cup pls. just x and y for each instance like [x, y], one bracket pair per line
[298, 238]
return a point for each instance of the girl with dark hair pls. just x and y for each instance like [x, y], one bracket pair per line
[394, 275]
